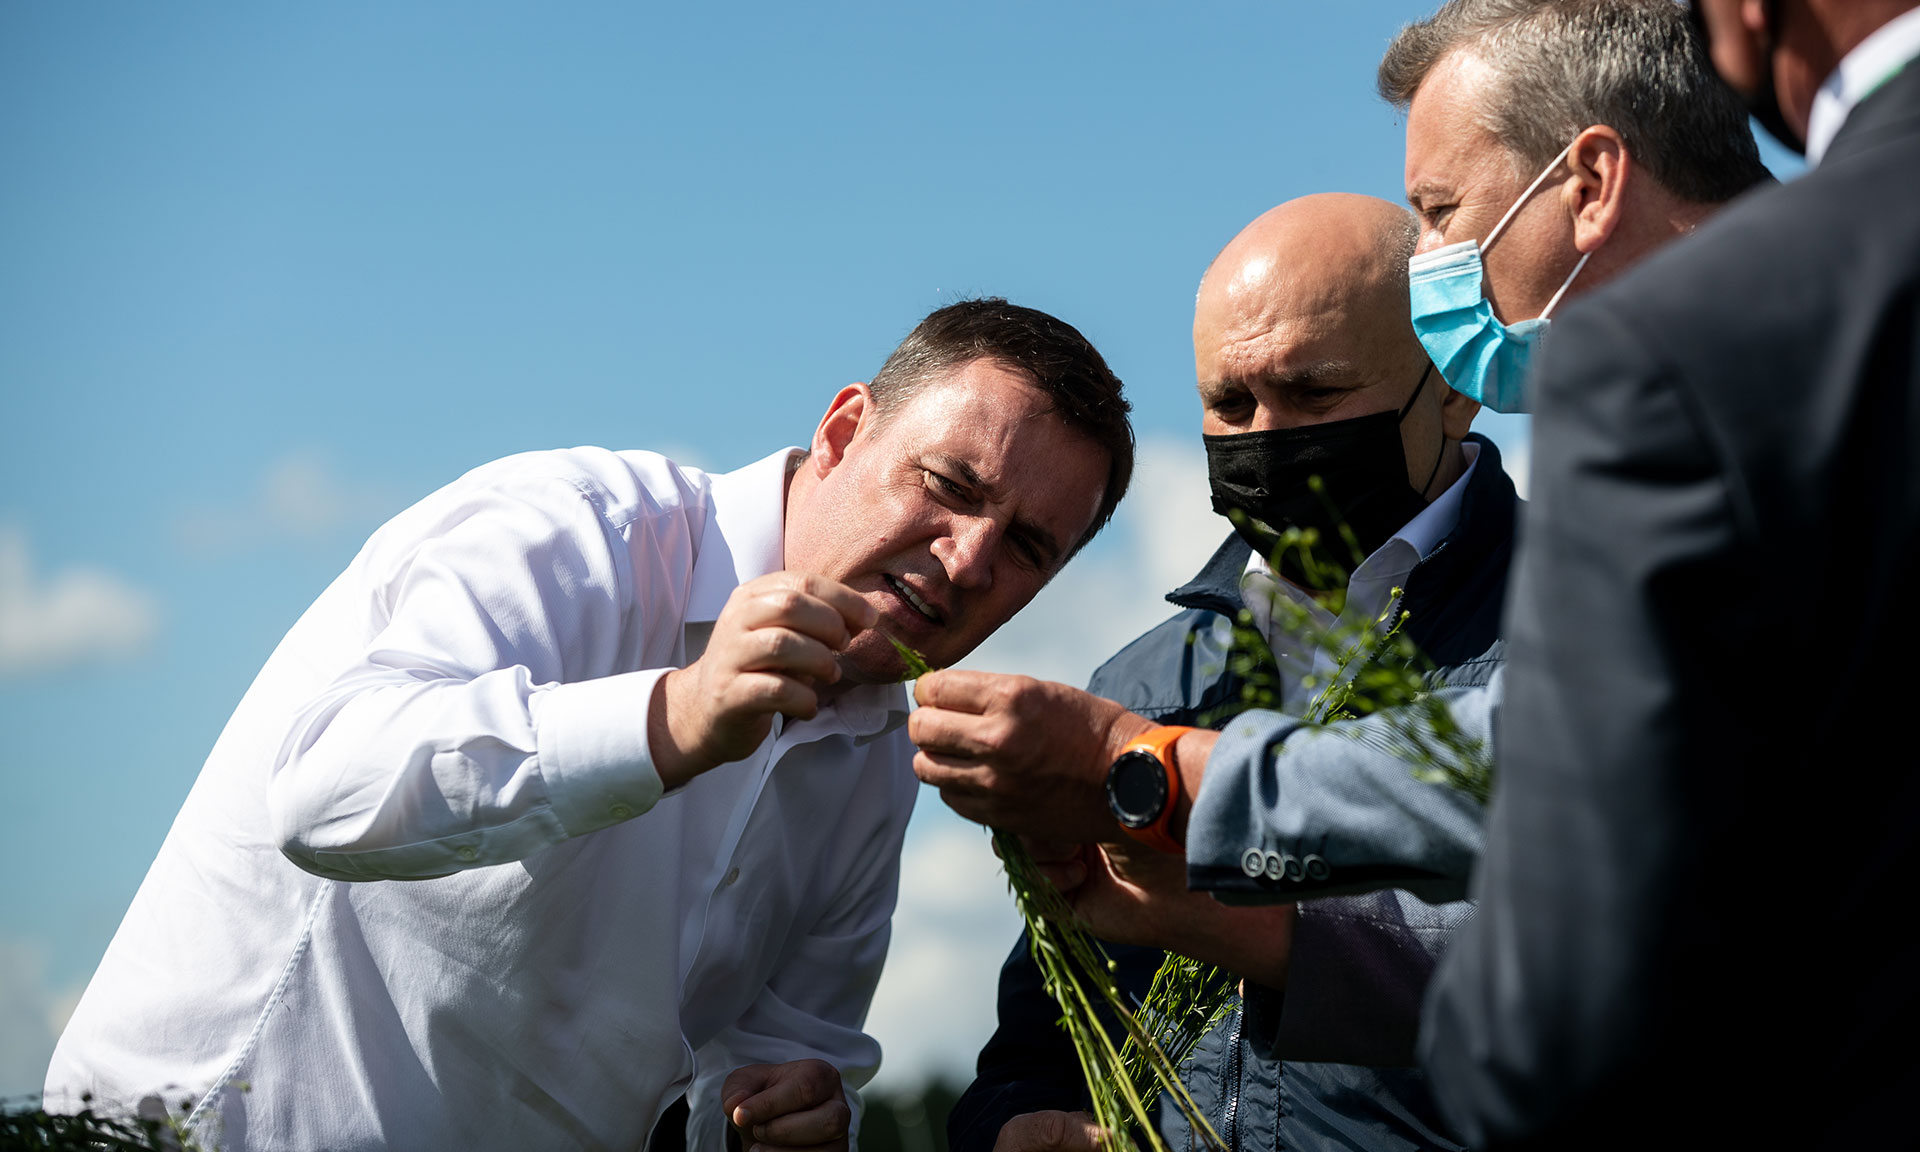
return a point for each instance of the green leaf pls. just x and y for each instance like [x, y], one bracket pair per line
[917, 665]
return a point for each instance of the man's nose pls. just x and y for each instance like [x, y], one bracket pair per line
[966, 552]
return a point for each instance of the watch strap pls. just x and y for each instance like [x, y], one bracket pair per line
[1158, 743]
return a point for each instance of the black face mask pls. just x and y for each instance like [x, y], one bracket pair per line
[1763, 103]
[1362, 466]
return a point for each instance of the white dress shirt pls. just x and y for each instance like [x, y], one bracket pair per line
[1871, 63]
[1307, 669]
[426, 892]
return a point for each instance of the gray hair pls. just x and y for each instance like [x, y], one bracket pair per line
[1636, 66]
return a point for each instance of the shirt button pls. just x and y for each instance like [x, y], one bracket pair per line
[620, 812]
[732, 875]
[467, 852]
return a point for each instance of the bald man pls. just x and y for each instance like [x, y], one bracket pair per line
[1307, 366]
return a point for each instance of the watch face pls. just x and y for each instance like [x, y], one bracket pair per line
[1137, 789]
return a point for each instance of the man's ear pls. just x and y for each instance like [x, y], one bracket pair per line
[1457, 410]
[1596, 194]
[852, 410]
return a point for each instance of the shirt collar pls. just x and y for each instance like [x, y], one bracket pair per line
[1437, 520]
[745, 534]
[1872, 62]
[744, 539]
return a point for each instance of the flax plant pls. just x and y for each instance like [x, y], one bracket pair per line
[1125, 1078]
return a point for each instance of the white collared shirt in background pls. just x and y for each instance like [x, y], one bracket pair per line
[1872, 63]
[1307, 669]
[500, 934]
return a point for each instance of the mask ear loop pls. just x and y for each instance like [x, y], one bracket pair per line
[1442, 453]
[1565, 284]
[1417, 389]
[1524, 197]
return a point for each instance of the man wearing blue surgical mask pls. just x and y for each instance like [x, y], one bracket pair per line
[1530, 159]
[1705, 833]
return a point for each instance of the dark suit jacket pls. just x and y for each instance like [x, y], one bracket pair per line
[1695, 924]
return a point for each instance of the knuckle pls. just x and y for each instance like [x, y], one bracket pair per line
[839, 1119]
[997, 734]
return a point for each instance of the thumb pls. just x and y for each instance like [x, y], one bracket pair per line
[742, 1084]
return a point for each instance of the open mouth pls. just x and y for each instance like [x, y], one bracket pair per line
[914, 601]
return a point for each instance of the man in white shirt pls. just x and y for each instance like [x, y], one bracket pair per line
[584, 785]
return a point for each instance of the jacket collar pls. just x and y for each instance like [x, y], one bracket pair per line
[1889, 113]
[1483, 535]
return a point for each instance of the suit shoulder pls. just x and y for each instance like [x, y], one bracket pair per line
[1778, 257]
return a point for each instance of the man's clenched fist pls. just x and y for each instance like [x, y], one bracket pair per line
[788, 1107]
[772, 651]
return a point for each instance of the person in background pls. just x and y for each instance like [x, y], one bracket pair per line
[584, 786]
[1691, 929]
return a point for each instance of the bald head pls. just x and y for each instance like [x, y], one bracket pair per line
[1304, 319]
[1318, 238]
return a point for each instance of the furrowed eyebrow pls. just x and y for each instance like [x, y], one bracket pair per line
[965, 472]
[1041, 539]
[1319, 373]
[1426, 190]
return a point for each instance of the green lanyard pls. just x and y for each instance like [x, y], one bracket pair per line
[1882, 82]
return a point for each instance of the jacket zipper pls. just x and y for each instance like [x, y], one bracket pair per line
[1231, 1129]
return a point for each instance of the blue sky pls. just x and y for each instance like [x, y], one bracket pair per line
[269, 273]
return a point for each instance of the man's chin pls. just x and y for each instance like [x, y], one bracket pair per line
[872, 659]
[870, 664]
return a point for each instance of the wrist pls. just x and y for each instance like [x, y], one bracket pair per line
[1124, 729]
[1190, 754]
[669, 740]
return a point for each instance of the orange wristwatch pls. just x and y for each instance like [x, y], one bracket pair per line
[1143, 787]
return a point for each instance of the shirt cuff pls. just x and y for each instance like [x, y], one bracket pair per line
[592, 737]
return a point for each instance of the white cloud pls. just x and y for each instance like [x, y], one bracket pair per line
[1513, 434]
[300, 495]
[75, 616]
[1519, 465]
[31, 1017]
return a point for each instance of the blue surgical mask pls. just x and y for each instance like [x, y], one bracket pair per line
[1479, 356]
